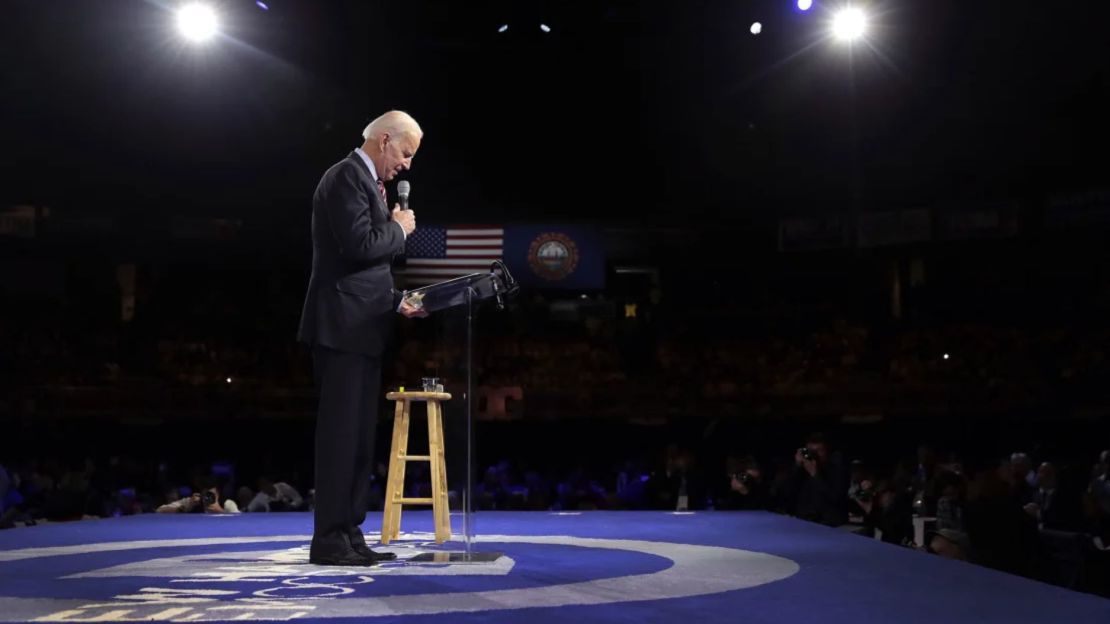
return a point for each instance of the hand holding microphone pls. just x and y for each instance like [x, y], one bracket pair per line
[401, 213]
[405, 218]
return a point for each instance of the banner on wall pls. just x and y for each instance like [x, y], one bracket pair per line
[555, 256]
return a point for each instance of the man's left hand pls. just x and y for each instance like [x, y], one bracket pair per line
[411, 311]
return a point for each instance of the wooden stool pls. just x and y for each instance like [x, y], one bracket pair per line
[398, 456]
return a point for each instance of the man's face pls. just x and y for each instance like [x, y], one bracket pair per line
[397, 153]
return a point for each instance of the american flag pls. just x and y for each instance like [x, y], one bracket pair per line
[434, 254]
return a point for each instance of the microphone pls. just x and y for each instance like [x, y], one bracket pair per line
[403, 189]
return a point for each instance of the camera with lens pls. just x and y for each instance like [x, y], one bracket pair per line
[807, 454]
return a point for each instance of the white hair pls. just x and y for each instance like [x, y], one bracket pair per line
[394, 123]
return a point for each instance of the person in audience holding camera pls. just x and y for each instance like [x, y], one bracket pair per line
[205, 501]
[816, 490]
[746, 488]
[861, 488]
[884, 508]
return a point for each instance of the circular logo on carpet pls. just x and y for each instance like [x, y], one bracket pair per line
[269, 578]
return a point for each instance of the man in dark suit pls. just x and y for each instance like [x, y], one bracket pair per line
[347, 320]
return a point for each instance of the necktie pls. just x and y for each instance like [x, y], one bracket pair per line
[381, 191]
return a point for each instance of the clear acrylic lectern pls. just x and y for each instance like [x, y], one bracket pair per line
[453, 306]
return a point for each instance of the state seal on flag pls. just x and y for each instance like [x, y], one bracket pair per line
[553, 256]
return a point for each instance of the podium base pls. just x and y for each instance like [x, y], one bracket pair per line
[456, 557]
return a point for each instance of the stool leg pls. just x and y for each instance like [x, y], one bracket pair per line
[390, 515]
[443, 489]
[399, 493]
[440, 510]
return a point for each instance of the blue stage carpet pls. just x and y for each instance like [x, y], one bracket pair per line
[752, 568]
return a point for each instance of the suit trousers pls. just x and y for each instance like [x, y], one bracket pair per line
[346, 423]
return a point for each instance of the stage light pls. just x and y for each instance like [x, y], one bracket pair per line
[545, 28]
[197, 22]
[849, 24]
[229, 380]
[262, 5]
[504, 27]
[805, 5]
[946, 356]
[756, 28]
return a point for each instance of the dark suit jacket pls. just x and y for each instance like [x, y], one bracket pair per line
[351, 304]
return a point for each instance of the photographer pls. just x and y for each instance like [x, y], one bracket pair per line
[744, 486]
[816, 490]
[861, 489]
[887, 509]
[205, 501]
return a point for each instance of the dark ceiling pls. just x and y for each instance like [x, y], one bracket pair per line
[625, 111]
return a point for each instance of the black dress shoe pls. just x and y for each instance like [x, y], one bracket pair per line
[381, 556]
[358, 543]
[350, 558]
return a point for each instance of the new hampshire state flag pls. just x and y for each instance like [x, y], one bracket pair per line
[555, 256]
